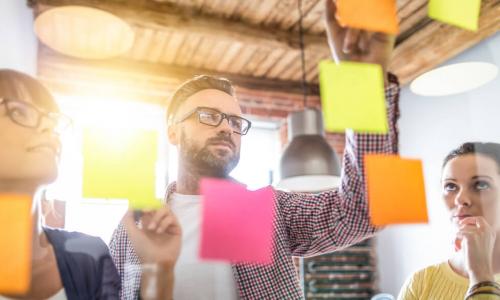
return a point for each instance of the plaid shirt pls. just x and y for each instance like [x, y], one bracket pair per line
[305, 224]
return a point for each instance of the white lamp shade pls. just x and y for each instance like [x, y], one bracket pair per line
[454, 79]
[84, 32]
[308, 163]
[309, 183]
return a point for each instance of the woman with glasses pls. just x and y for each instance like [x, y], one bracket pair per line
[64, 265]
[471, 193]
[68, 265]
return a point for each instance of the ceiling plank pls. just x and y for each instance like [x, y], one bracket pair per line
[174, 43]
[410, 16]
[271, 60]
[167, 17]
[437, 42]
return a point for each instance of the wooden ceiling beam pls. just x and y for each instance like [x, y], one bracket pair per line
[436, 43]
[166, 16]
[148, 77]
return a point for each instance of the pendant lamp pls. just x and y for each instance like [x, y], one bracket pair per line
[308, 163]
[84, 32]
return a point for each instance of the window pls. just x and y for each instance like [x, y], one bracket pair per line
[259, 159]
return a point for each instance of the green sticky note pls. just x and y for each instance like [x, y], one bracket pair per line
[460, 13]
[121, 164]
[352, 96]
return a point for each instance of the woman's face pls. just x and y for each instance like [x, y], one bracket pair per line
[470, 187]
[27, 154]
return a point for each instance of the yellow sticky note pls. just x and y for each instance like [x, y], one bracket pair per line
[15, 249]
[352, 96]
[121, 164]
[396, 191]
[460, 13]
[372, 15]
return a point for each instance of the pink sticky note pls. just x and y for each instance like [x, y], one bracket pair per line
[237, 224]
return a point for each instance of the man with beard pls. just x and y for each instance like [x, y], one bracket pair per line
[206, 124]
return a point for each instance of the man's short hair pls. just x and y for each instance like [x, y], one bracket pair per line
[191, 87]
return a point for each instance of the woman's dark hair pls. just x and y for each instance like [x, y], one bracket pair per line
[17, 86]
[491, 150]
[194, 85]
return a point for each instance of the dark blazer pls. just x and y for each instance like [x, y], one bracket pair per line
[85, 265]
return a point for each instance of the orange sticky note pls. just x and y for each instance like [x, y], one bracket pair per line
[396, 191]
[15, 247]
[371, 15]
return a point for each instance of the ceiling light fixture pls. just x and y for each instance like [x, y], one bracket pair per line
[84, 32]
[454, 79]
[308, 163]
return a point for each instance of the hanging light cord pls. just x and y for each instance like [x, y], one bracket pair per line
[302, 53]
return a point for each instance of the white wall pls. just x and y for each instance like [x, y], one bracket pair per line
[18, 44]
[429, 128]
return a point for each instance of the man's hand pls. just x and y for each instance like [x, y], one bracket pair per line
[350, 44]
[158, 237]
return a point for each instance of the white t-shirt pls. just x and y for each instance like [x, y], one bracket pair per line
[194, 278]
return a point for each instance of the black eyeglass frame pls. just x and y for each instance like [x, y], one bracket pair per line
[200, 109]
[53, 116]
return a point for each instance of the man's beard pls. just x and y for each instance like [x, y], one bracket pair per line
[205, 161]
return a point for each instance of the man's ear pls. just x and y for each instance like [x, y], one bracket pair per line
[173, 133]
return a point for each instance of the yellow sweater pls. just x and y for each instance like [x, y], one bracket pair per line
[439, 282]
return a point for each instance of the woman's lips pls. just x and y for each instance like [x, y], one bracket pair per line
[53, 148]
[460, 217]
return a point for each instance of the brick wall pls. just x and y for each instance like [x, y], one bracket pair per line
[276, 107]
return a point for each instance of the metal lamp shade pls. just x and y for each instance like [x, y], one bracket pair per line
[308, 164]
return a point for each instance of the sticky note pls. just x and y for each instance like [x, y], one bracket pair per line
[371, 15]
[352, 96]
[237, 224]
[396, 191]
[460, 13]
[15, 238]
[121, 164]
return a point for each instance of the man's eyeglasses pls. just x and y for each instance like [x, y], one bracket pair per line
[28, 115]
[213, 117]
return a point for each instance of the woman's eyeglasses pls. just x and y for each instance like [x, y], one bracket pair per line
[27, 115]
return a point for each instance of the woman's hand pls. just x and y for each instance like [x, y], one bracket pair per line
[476, 238]
[157, 239]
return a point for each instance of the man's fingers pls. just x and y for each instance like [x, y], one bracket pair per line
[331, 11]
[128, 222]
[157, 217]
[333, 20]
[351, 40]
[164, 224]
[365, 41]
